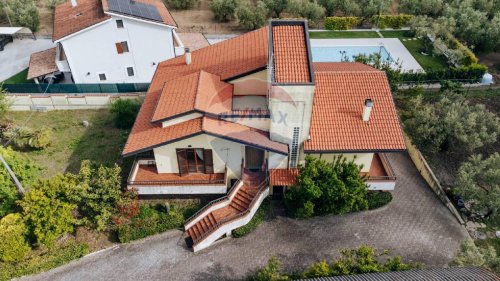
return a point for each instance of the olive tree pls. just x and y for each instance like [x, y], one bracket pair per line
[276, 7]
[224, 10]
[309, 10]
[252, 16]
[24, 13]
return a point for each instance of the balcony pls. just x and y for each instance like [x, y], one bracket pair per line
[147, 181]
[381, 175]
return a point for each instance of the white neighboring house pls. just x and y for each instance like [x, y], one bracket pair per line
[113, 41]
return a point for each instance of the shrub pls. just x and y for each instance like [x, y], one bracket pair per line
[341, 23]
[26, 172]
[149, 220]
[271, 272]
[276, 7]
[392, 21]
[124, 112]
[224, 10]
[24, 13]
[257, 219]
[13, 246]
[37, 263]
[377, 199]
[478, 180]
[324, 188]
[471, 73]
[47, 212]
[252, 16]
[51, 4]
[319, 269]
[309, 10]
[470, 255]
[26, 138]
[181, 4]
[4, 103]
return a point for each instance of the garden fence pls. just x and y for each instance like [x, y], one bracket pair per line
[32, 88]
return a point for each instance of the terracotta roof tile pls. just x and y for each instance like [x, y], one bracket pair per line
[69, 19]
[42, 63]
[291, 61]
[336, 123]
[242, 54]
[200, 91]
[341, 66]
[283, 177]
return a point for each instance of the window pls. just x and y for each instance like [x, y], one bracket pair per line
[122, 47]
[102, 76]
[195, 160]
[119, 23]
[130, 71]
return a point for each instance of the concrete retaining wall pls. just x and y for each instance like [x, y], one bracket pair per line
[428, 175]
[28, 102]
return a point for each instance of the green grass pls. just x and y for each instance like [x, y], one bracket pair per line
[19, 78]
[72, 142]
[427, 62]
[257, 219]
[342, 34]
[396, 34]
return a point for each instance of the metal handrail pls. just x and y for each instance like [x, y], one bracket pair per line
[213, 202]
[220, 223]
[387, 167]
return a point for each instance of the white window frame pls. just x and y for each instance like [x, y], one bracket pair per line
[116, 24]
[99, 77]
[133, 69]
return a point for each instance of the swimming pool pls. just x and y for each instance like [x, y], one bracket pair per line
[343, 53]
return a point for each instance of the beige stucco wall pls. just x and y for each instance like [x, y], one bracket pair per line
[277, 160]
[253, 84]
[223, 152]
[181, 119]
[364, 159]
[253, 122]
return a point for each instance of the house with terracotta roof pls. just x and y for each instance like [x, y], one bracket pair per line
[239, 117]
[110, 41]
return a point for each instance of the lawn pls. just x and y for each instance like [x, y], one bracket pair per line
[18, 78]
[342, 34]
[396, 34]
[72, 142]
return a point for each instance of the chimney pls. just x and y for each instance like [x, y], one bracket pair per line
[367, 109]
[187, 54]
[74, 3]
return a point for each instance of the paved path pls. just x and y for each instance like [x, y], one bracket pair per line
[415, 225]
[16, 55]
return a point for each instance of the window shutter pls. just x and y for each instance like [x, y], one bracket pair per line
[182, 161]
[209, 162]
[119, 48]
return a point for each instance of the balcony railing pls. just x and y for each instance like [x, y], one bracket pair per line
[390, 176]
[257, 113]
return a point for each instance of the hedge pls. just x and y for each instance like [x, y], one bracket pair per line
[377, 199]
[472, 73]
[341, 23]
[392, 21]
[468, 56]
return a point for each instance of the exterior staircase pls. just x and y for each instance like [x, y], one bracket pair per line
[221, 216]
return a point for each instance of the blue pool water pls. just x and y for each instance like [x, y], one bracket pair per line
[343, 53]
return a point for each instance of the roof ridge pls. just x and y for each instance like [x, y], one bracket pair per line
[200, 72]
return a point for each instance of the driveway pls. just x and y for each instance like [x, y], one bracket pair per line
[414, 225]
[16, 55]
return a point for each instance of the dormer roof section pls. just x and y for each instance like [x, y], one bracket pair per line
[290, 57]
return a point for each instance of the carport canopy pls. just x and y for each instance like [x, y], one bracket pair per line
[15, 30]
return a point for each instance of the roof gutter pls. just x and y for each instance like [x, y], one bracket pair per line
[140, 20]
[81, 31]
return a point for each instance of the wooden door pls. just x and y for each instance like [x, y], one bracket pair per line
[254, 158]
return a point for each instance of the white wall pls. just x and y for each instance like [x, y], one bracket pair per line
[94, 51]
[260, 123]
[278, 161]
[181, 119]
[364, 159]
[223, 152]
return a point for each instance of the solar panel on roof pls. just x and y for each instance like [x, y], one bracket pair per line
[137, 9]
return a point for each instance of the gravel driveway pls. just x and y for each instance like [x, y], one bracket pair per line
[414, 225]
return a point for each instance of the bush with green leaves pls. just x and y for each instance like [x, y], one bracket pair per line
[392, 21]
[422, 7]
[252, 16]
[24, 13]
[276, 7]
[326, 188]
[478, 180]
[27, 173]
[306, 9]
[470, 255]
[13, 245]
[345, 7]
[369, 8]
[52, 4]
[124, 112]
[377, 199]
[181, 4]
[27, 138]
[48, 211]
[451, 125]
[341, 23]
[4, 102]
[271, 272]
[224, 10]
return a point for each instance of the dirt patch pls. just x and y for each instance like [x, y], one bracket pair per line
[46, 19]
[96, 240]
[201, 19]
[492, 61]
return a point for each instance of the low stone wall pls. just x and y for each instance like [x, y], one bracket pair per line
[39, 102]
[428, 175]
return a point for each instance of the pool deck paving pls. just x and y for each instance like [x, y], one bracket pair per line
[393, 46]
[415, 225]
